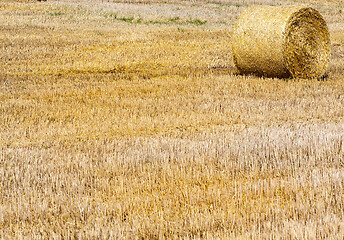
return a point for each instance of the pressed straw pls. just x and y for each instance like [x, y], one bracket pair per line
[282, 41]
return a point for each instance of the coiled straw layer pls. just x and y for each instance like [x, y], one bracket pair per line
[283, 41]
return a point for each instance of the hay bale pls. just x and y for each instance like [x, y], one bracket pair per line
[282, 41]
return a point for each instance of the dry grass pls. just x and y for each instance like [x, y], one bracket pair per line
[123, 125]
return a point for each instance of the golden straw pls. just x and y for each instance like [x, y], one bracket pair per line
[283, 41]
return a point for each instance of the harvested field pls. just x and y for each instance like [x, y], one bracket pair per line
[129, 120]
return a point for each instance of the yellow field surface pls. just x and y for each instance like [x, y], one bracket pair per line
[129, 120]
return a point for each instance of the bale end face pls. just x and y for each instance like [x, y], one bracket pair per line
[307, 44]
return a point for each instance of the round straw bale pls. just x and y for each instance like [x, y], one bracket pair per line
[282, 41]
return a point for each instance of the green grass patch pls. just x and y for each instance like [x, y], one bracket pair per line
[55, 13]
[197, 22]
[111, 15]
[174, 19]
[156, 22]
[126, 19]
